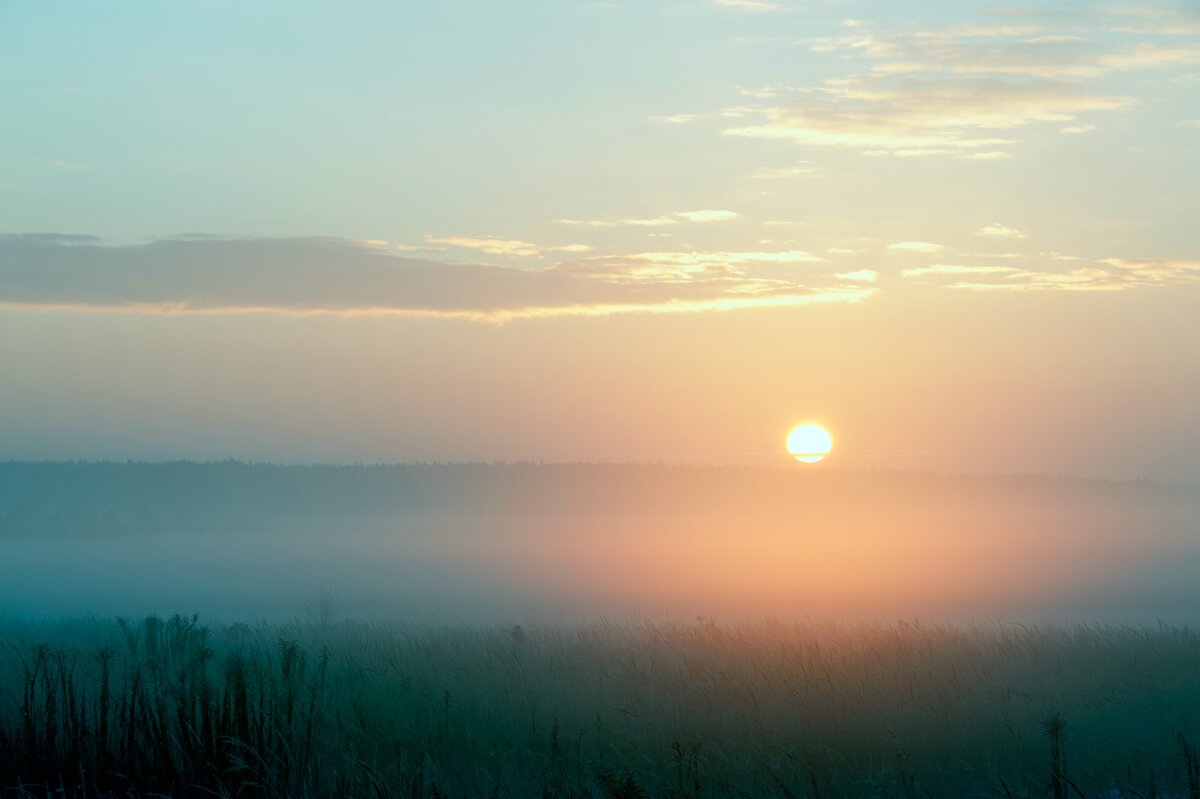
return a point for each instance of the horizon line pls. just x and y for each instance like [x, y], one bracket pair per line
[811, 469]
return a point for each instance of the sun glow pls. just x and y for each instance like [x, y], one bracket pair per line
[809, 443]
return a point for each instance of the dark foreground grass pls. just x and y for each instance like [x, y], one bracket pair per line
[172, 707]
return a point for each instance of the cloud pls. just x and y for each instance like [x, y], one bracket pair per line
[326, 276]
[1006, 50]
[739, 111]
[1061, 58]
[916, 246]
[496, 246]
[966, 91]
[998, 231]
[784, 172]
[657, 221]
[1112, 274]
[1156, 19]
[990, 155]
[58, 163]
[491, 246]
[763, 93]
[861, 275]
[708, 216]
[56, 238]
[923, 116]
[748, 5]
[1157, 270]
[720, 259]
[959, 269]
[417, 248]
[676, 119]
[973, 30]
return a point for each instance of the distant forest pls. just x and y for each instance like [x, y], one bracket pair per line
[102, 498]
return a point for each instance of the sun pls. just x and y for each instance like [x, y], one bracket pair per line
[809, 443]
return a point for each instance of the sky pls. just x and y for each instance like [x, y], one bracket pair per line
[960, 235]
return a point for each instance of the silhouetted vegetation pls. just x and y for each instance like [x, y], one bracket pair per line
[610, 711]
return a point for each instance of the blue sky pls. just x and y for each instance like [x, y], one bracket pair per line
[418, 166]
[396, 121]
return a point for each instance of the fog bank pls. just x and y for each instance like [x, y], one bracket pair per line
[500, 542]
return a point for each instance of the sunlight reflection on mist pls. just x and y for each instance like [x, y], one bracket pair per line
[496, 542]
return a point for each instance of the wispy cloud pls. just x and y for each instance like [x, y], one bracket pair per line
[676, 119]
[859, 275]
[322, 276]
[1004, 50]
[498, 246]
[418, 248]
[1112, 274]
[916, 246]
[802, 169]
[987, 155]
[923, 116]
[1006, 256]
[708, 216]
[58, 163]
[959, 269]
[491, 246]
[998, 231]
[1157, 270]
[1177, 20]
[657, 221]
[708, 260]
[748, 5]
[966, 91]
[760, 93]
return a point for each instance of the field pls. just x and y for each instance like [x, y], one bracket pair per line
[328, 707]
[440, 631]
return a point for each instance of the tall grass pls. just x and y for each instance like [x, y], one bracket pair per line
[172, 707]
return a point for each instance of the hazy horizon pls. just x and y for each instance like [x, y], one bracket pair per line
[778, 462]
[569, 542]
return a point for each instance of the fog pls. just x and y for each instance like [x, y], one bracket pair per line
[242, 542]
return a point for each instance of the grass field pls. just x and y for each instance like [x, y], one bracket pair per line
[323, 707]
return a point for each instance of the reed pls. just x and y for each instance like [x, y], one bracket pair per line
[323, 708]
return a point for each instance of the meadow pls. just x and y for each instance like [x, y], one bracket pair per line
[523, 630]
[618, 710]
